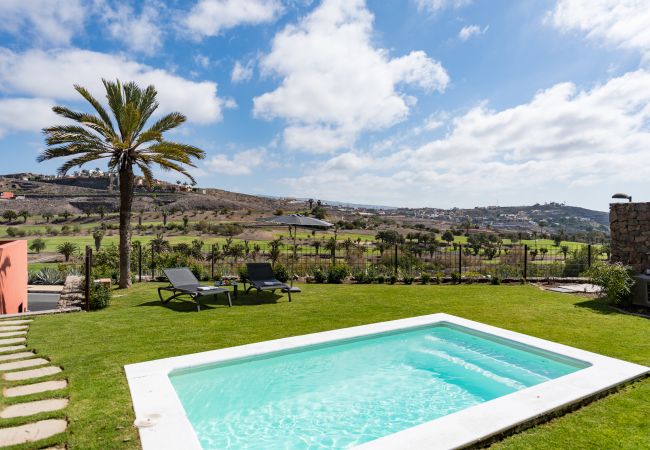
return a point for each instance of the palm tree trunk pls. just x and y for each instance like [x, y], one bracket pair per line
[126, 202]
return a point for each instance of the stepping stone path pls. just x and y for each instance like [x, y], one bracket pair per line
[18, 364]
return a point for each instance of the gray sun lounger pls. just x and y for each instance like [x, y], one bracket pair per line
[182, 282]
[262, 278]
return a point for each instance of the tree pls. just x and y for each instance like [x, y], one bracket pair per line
[24, 214]
[448, 236]
[67, 249]
[557, 240]
[316, 245]
[9, 215]
[47, 215]
[318, 212]
[37, 245]
[98, 235]
[121, 138]
[564, 249]
[164, 213]
[311, 203]
[543, 251]
[65, 215]
[101, 210]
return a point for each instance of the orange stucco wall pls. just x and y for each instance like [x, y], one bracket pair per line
[13, 276]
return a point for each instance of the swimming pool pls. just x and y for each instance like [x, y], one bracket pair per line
[415, 381]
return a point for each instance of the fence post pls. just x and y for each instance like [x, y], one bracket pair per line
[139, 262]
[525, 261]
[395, 260]
[153, 262]
[460, 263]
[212, 262]
[89, 263]
[589, 256]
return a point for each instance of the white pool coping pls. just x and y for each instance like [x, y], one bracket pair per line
[155, 399]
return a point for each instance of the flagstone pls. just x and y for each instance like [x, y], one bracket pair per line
[35, 407]
[11, 348]
[32, 432]
[36, 388]
[13, 334]
[15, 322]
[14, 328]
[23, 364]
[12, 341]
[34, 373]
[12, 356]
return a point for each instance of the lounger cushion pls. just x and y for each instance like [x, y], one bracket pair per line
[272, 283]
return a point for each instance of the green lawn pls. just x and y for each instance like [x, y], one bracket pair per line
[93, 348]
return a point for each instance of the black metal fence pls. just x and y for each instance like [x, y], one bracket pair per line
[362, 259]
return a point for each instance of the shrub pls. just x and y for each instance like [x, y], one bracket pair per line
[243, 273]
[455, 277]
[15, 232]
[392, 279]
[407, 279]
[100, 296]
[381, 279]
[362, 277]
[319, 275]
[337, 273]
[199, 271]
[281, 273]
[615, 279]
[495, 280]
[425, 278]
[37, 245]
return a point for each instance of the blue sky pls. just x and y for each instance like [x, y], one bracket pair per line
[416, 102]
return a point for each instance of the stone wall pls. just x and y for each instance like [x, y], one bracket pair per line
[630, 227]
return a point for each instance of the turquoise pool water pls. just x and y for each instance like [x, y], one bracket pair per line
[348, 392]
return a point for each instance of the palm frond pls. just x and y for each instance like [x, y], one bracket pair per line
[98, 107]
[79, 161]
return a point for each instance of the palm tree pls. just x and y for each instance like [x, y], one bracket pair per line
[98, 235]
[37, 245]
[67, 249]
[124, 141]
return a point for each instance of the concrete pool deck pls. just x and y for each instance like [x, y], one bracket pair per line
[163, 421]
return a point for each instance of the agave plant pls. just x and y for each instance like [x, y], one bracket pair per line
[46, 275]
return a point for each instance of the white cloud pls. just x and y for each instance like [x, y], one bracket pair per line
[22, 73]
[140, 33]
[202, 61]
[211, 17]
[433, 6]
[335, 84]
[623, 23]
[563, 142]
[25, 114]
[52, 22]
[242, 72]
[241, 163]
[471, 30]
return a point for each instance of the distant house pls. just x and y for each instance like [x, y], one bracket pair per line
[7, 196]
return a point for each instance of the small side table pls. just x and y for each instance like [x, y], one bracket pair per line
[233, 284]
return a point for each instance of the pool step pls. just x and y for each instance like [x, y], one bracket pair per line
[32, 432]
